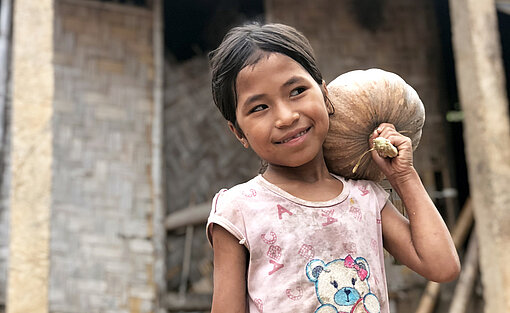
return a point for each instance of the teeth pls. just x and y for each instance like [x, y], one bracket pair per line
[296, 136]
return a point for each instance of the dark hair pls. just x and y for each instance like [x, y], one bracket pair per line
[246, 45]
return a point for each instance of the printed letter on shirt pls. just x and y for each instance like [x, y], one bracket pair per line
[330, 219]
[276, 267]
[282, 210]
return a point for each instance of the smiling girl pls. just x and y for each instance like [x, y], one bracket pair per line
[297, 238]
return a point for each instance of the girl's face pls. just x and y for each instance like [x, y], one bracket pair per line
[281, 111]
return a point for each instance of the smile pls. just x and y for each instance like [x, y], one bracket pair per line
[301, 133]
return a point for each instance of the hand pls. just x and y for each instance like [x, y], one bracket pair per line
[401, 166]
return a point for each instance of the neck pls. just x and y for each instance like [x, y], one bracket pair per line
[311, 172]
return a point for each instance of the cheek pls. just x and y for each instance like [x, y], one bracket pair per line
[256, 129]
[257, 141]
[362, 288]
[322, 110]
[326, 291]
[326, 120]
[323, 120]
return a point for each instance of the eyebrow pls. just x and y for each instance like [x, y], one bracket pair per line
[253, 98]
[292, 80]
[289, 82]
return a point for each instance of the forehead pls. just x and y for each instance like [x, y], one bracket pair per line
[270, 62]
[270, 69]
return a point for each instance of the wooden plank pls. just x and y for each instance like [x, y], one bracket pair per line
[189, 216]
[173, 302]
[464, 288]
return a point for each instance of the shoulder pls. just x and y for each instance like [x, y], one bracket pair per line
[368, 190]
[236, 195]
[365, 186]
[357, 183]
[228, 209]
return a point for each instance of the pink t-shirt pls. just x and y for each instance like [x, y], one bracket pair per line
[308, 256]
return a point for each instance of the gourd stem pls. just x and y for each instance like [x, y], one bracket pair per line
[359, 161]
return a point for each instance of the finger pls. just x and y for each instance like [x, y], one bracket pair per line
[384, 126]
[382, 163]
[400, 141]
[386, 131]
[377, 158]
[396, 139]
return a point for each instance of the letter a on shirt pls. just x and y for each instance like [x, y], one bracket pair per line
[282, 210]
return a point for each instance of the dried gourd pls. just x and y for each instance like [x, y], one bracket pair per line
[363, 99]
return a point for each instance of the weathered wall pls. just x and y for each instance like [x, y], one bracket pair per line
[102, 253]
[201, 155]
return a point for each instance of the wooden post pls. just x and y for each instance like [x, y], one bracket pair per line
[157, 231]
[5, 32]
[483, 99]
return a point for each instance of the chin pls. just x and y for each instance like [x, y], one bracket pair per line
[298, 163]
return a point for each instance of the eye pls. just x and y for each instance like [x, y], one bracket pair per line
[297, 91]
[258, 108]
[354, 281]
[334, 283]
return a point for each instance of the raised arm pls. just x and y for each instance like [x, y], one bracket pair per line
[229, 273]
[423, 242]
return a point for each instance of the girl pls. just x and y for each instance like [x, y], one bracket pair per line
[297, 238]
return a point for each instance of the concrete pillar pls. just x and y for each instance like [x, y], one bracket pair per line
[483, 98]
[33, 87]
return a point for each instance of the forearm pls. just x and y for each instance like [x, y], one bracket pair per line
[429, 235]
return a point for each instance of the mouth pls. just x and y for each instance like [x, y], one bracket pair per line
[294, 136]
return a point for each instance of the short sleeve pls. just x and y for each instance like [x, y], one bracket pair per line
[381, 195]
[226, 212]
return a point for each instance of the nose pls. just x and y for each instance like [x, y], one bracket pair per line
[286, 116]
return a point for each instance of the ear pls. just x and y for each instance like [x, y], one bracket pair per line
[324, 88]
[364, 263]
[239, 135]
[314, 269]
[325, 92]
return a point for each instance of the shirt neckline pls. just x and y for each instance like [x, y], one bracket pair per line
[317, 204]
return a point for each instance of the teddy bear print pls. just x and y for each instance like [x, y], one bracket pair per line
[342, 286]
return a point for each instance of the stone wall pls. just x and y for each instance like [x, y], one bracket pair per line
[102, 250]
